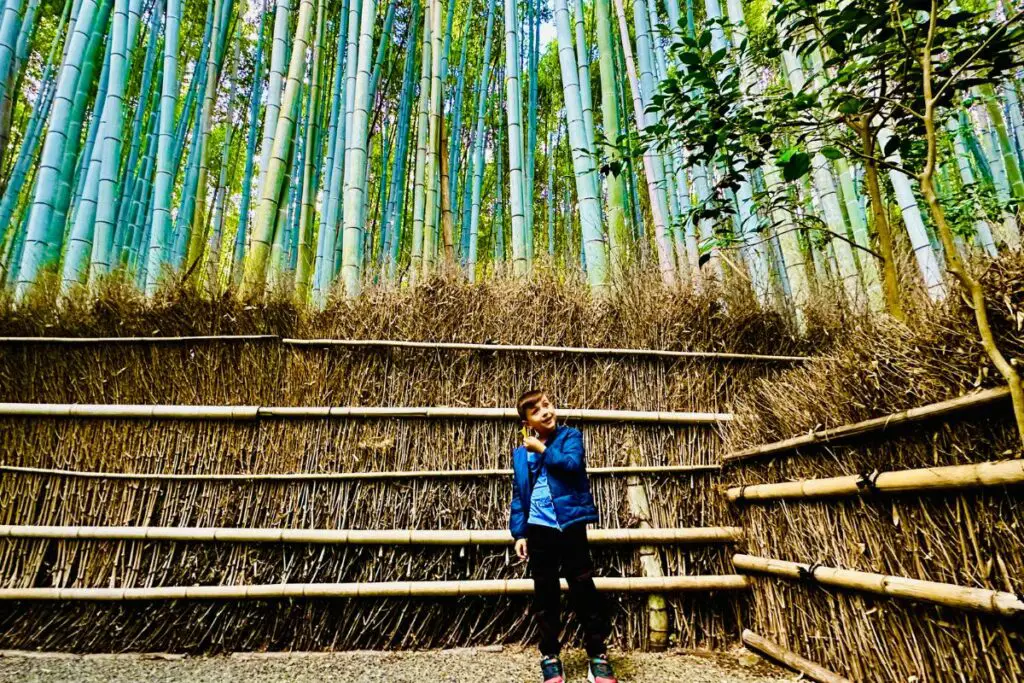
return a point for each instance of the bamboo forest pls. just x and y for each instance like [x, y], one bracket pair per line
[324, 146]
[351, 339]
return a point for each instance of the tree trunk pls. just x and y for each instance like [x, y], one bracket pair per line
[881, 224]
[971, 284]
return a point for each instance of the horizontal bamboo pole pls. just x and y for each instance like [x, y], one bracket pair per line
[812, 670]
[877, 424]
[654, 470]
[187, 412]
[352, 536]
[397, 343]
[141, 340]
[1002, 473]
[396, 589]
[948, 594]
[177, 412]
[534, 348]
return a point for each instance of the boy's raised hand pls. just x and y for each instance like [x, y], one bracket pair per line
[534, 444]
[521, 552]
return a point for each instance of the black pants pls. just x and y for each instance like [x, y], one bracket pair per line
[566, 553]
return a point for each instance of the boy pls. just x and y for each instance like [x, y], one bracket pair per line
[551, 506]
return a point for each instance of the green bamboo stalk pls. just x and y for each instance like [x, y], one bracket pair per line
[345, 124]
[422, 126]
[130, 170]
[355, 181]
[278, 61]
[79, 240]
[351, 66]
[868, 267]
[221, 189]
[432, 173]
[615, 194]
[595, 244]
[197, 233]
[20, 170]
[165, 157]
[824, 186]
[529, 170]
[305, 256]
[382, 48]
[455, 139]
[394, 214]
[1009, 158]
[190, 184]
[514, 109]
[255, 94]
[14, 231]
[15, 73]
[652, 161]
[498, 225]
[551, 196]
[334, 185]
[755, 249]
[137, 223]
[967, 178]
[663, 178]
[478, 147]
[113, 116]
[255, 278]
[37, 250]
[278, 273]
[10, 28]
[583, 63]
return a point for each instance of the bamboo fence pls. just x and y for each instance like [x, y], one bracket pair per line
[190, 412]
[655, 470]
[1001, 603]
[961, 537]
[357, 536]
[924, 480]
[396, 589]
[872, 426]
[812, 670]
[373, 473]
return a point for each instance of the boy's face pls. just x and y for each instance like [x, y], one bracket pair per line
[541, 416]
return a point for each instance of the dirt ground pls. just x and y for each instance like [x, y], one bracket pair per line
[448, 666]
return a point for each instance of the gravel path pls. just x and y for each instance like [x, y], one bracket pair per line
[450, 666]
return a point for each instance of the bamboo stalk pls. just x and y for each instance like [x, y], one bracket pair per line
[531, 348]
[650, 558]
[395, 589]
[456, 537]
[948, 594]
[812, 670]
[345, 476]
[877, 424]
[187, 412]
[1001, 473]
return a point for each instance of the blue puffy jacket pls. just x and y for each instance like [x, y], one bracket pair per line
[567, 477]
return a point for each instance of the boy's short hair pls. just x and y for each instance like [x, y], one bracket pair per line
[528, 400]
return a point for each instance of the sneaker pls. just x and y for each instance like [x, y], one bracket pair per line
[551, 670]
[601, 671]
